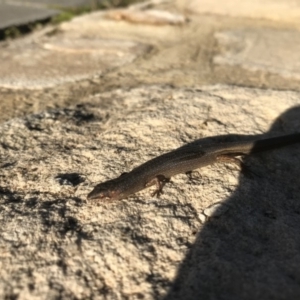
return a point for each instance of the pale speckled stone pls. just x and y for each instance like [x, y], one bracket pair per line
[279, 10]
[55, 240]
[269, 50]
[202, 218]
[61, 59]
[149, 16]
[216, 210]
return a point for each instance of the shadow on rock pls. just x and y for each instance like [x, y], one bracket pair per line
[252, 251]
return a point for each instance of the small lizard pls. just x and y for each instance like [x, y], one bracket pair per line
[159, 170]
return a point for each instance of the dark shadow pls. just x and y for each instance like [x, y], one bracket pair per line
[252, 251]
[62, 222]
[54, 215]
[72, 179]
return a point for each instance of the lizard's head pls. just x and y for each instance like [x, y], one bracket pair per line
[107, 190]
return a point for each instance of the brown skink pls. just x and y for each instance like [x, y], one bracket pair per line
[159, 170]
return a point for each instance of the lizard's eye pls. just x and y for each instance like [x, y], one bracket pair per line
[115, 195]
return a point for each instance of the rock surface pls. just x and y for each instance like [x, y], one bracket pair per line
[89, 99]
[58, 244]
[62, 59]
[274, 51]
[279, 10]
